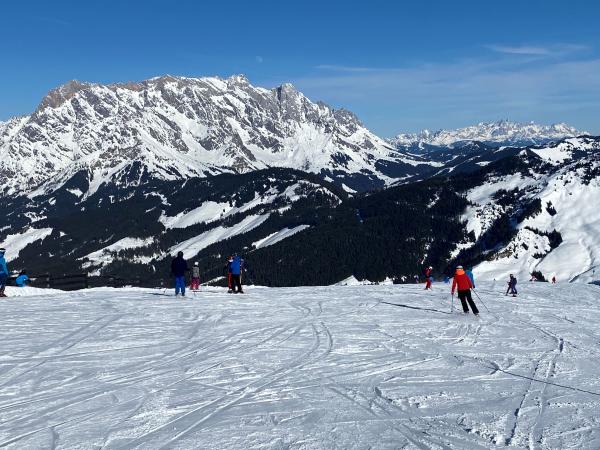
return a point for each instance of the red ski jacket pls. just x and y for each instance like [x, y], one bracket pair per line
[462, 280]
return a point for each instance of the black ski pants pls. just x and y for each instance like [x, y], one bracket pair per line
[236, 283]
[465, 296]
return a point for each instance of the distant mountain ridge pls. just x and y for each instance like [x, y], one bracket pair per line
[178, 128]
[503, 132]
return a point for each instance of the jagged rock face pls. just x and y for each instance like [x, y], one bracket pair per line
[503, 132]
[180, 128]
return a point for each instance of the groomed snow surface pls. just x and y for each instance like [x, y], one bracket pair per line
[307, 368]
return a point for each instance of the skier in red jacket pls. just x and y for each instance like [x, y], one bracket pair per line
[464, 284]
[428, 272]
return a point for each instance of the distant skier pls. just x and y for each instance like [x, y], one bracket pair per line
[428, 280]
[228, 269]
[554, 280]
[236, 266]
[512, 286]
[469, 273]
[3, 272]
[179, 267]
[22, 280]
[195, 285]
[464, 285]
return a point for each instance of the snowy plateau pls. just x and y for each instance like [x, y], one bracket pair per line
[353, 367]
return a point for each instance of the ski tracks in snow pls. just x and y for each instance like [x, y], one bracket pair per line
[345, 367]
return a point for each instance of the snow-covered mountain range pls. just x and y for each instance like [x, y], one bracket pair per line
[179, 128]
[503, 132]
[209, 166]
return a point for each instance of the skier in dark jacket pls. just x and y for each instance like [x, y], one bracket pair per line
[512, 286]
[179, 267]
[236, 266]
[3, 272]
[464, 284]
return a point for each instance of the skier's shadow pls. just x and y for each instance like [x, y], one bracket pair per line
[417, 307]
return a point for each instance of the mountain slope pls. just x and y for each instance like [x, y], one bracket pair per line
[178, 128]
[534, 209]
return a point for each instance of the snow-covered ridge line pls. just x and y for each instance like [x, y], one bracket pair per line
[501, 132]
[177, 128]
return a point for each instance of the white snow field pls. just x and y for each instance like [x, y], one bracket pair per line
[301, 368]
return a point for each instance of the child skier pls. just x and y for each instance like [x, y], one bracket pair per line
[228, 268]
[195, 285]
[22, 280]
[464, 284]
[428, 280]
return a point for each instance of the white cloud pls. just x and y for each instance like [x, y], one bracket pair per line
[531, 50]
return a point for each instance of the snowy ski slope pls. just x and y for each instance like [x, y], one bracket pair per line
[305, 368]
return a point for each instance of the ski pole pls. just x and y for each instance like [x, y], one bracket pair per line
[452, 304]
[479, 298]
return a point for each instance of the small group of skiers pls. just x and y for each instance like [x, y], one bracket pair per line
[463, 282]
[179, 267]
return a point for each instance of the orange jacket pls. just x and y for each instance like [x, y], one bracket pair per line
[462, 280]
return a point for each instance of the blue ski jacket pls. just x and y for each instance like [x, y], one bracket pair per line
[21, 280]
[3, 268]
[470, 275]
[236, 266]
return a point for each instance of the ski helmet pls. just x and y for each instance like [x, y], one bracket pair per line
[196, 263]
[2, 251]
[459, 267]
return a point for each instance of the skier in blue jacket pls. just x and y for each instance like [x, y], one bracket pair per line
[3, 272]
[22, 279]
[235, 267]
[469, 273]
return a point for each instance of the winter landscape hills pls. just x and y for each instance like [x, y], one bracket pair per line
[112, 179]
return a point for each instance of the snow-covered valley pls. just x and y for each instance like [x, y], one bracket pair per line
[311, 368]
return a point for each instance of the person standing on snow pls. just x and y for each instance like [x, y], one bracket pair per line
[179, 267]
[512, 286]
[22, 279]
[236, 267]
[464, 285]
[554, 279]
[228, 268]
[195, 285]
[469, 273]
[428, 280]
[3, 272]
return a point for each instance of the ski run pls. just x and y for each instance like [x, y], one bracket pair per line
[337, 367]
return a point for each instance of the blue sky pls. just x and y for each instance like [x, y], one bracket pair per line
[400, 66]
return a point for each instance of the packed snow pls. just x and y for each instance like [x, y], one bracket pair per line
[312, 368]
